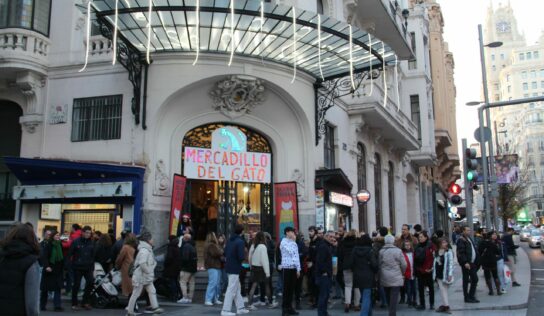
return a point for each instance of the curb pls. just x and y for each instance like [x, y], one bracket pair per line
[493, 308]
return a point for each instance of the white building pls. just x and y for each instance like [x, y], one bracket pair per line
[97, 148]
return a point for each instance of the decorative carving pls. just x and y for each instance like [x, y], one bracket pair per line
[298, 177]
[237, 96]
[58, 114]
[162, 181]
[29, 122]
[202, 137]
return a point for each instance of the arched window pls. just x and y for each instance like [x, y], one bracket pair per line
[27, 14]
[378, 189]
[361, 184]
[391, 194]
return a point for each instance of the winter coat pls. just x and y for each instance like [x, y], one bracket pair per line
[172, 261]
[392, 266]
[377, 243]
[448, 266]
[364, 266]
[188, 257]
[234, 254]
[103, 255]
[68, 243]
[144, 265]
[259, 257]
[400, 241]
[509, 244]
[50, 281]
[116, 249]
[423, 258]
[212, 256]
[464, 251]
[345, 253]
[124, 259]
[409, 274]
[489, 254]
[82, 254]
[19, 275]
[323, 258]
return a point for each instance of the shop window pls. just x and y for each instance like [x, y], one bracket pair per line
[378, 189]
[329, 147]
[361, 184]
[26, 14]
[391, 194]
[97, 118]
[416, 115]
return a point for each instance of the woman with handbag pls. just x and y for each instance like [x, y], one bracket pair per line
[123, 261]
[260, 266]
[443, 272]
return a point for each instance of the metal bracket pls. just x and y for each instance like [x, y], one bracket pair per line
[326, 93]
[132, 61]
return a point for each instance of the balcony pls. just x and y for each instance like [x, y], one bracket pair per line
[22, 50]
[383, 19]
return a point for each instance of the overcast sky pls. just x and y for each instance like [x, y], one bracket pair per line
[461, 19]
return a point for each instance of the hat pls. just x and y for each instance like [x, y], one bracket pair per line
[389, 239]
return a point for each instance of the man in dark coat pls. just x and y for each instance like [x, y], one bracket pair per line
[82, 256]
[313, 236]
[234, 255]
[468, 258]
[188, 269]
[364, 266]
[172, 267]
[323, 272]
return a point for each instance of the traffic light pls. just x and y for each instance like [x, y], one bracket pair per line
[472, 165]
[455, 190]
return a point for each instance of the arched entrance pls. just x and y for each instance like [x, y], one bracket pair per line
[10, 145]
[232, 182]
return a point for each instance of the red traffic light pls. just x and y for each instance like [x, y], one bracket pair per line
[454, 188]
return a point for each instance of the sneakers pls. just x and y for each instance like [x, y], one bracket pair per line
[218, 302]
[76, 308]
[515, 284]
[252, 307]
[273, 305]
[503, 291]
[259, 303]
[156, 310]
[185, 301]
[242, 311]
[208, 303]
[227, 313]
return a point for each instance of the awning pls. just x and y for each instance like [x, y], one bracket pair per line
[283, 35]
[334, 179]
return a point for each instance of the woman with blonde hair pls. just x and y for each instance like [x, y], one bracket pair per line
[212, 262]
[345, 257]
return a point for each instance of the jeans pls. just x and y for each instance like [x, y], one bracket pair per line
[137, 291]
[324, 283]
[410, 286]
[393, 299]
[213, 289]
[348, 283]
[366, 302]
[233, 293]
[89, 280]
[224, 282]
[469, 276]
[56, 298]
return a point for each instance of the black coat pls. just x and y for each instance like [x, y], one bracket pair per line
[489, 254]
[464, 251]
[82, 254]
[103, 255]
[345, 253]
[172, 262]
[51, 281]
[323, 258]
[364, 266]
[188, 257]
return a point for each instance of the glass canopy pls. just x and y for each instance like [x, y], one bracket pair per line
[176, 28]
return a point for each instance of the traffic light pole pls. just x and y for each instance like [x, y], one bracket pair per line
[467, 189]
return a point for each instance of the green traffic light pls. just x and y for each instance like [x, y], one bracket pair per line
[470, 176]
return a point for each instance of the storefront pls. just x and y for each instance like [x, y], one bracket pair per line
[56, 194]
[338, 202]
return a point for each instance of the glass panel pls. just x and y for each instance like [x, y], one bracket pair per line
[248, 206]
[41, 16]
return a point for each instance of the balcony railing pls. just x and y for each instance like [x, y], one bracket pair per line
[20, 45]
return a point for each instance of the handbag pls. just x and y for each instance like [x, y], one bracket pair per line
[507, 275]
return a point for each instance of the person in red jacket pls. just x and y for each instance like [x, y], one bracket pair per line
[423, 262]
[409, 275]
[75, 233]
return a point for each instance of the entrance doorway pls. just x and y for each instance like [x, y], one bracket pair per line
[218, 205]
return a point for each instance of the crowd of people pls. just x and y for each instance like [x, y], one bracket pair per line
[364, 270]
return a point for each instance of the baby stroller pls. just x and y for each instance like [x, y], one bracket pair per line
[105, 288]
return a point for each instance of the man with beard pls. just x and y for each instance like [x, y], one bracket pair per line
[323, 272]
[312, 235]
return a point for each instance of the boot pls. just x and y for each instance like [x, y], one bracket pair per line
[346, 308]
[498, 286]
[489, 286]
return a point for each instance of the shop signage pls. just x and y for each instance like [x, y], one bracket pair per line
[341, 199]
[320, 208]
[227, 159]
[286, 205]
[66, 191]
[178, 194]
[51, 211]
[363, 196]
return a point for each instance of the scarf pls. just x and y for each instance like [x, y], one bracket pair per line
[56, 252]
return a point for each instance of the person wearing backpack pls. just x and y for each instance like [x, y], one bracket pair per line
[188, 270]
[143, 275]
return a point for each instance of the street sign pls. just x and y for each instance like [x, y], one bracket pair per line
[487, 134]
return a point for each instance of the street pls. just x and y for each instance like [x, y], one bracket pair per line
[536, 294]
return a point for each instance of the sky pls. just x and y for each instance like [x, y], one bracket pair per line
[461, 19]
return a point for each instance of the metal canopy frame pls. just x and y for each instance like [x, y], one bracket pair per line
[174, 29]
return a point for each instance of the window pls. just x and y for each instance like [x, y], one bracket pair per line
[529, 147]
[525, 95]
[493, 68]
[97, 118]
[416, 117]
[378, 189]
[493, 57]
[534, 85]
[412, 64]
[329, 146]
[529, 55]
[535, 94]
[542, 84]
[541, 159]
[530, 161]
[533, 74]
[524, 75]
[536, 54]
[525, 86]
[26, 14]
[497, 97]
[541, 145]
[521, 56]
[496, 86]
[534, 190]
[508, 78]
[509, 89]
[541, 72]
[391, 193]
[502, 56]
[361, 184]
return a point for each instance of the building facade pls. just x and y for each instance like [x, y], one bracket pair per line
[103, 144]
[516, 70]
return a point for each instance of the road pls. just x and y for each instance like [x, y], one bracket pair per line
[536, 294]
